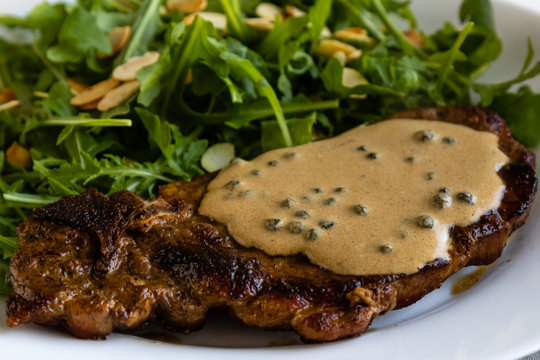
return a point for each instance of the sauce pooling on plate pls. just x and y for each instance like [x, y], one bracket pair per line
[378, 199]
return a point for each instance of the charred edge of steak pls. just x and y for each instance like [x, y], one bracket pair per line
[164, 262]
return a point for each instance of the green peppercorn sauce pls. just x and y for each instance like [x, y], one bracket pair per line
[396, 193]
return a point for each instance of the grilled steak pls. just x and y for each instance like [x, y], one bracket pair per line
[95, 265]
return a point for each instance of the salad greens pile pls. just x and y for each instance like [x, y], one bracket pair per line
[252, 88]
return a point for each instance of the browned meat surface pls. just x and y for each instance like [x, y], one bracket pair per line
[95, 265]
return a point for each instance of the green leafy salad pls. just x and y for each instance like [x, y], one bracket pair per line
[130, 94]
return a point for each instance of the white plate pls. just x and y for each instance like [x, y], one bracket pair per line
[496, 319]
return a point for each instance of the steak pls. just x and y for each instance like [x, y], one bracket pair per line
[95, 265]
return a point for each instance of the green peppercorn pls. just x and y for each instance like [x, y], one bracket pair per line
[289, 155]
[372, 156]
[288, 203]
[232, 184]
[330, 201]
[448, 140]
[442, 200]
[466, 197]
[425, 135]
[273, 224]
[312, 235]
[296, 227]
[385, 249]
[425, 221]
[360, 209]
[327, 224]
[362, 148]
[303, 214]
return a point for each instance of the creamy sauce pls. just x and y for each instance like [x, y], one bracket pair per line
[366, 202]
[466, 282]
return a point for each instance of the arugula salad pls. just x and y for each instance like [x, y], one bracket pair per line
[130, 94]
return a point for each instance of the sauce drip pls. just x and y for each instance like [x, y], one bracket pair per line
[378, 199]
[466, 282]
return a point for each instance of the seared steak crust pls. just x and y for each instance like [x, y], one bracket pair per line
[95, 265]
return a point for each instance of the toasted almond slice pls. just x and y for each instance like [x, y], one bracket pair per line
[90, 106]
[187, 6]
[41, 94]
[76, 86]
[260, 24]
[118, 95]
[293, 11]
[217, 19]
[341, 56]
[351, 78]
[355, 34]
[94, 92]
[415, 38]
[329, 47]
[19, 156]
[217, 156]
[119, 37]
[269, 11]
[326, 33]
[10, 105]
[354, 55]
[128, 70]
[7, 95]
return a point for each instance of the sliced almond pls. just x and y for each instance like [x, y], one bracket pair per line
[128, 70]
[118, 95]
[76, 86]
[355, 34]
[269, 11]
[94, 92]
[187, 6]
[354, 55]
[329, 47]
[118, 37]
[326, 33]
[41, 94]
[10, 105]
[19, 156]
[7, 95]
[293, 11]
[217, 19]
[351, 78]
[415, 38]
[260, 24]
[90, 106]
[341, 56]
[217, 156]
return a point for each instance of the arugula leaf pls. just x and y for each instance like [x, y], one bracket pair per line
[520, 110]
[78, 36]
[158, 131]
[301, 130]
[145, 27]
[58, 100]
